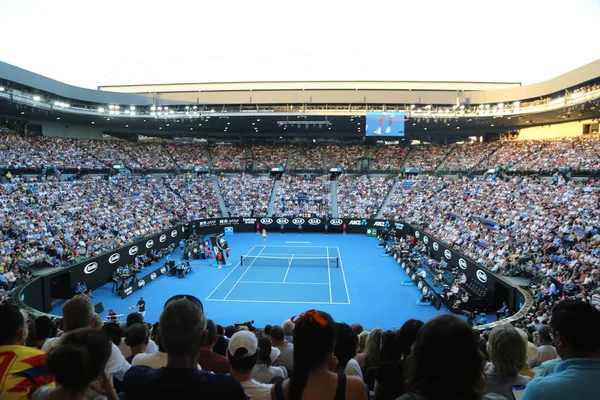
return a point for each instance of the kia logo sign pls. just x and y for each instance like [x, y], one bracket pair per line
[447, 254]
[417, 234]
[153, 276]
[482, 276]
[162, 238]
[266, 221]
[174, 233]
[163, 270]
[462, 263]
[114, 258]
[133, 251]
[425, 239]
[141, 283]
[298, 221]
[282, 221]
[90, 268]
[149, 244]
[314, 221]
[335, 221]
[436, 247]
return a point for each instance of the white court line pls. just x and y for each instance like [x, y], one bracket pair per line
[224, 279]
[282, 255]
[302, 247]
[329, 277]
[247, 269]
[287, 283]
[343, 273]
[276, 301]
[288, 268]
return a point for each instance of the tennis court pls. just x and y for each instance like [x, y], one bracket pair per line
[292, 274]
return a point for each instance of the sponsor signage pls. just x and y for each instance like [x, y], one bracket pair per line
[436, 246]
[249, 221]
[149, 244]
[425, 239]
[417, 234]
[282, 221]
[134, 286]
[336, 221]
[133, 250]
[229, 221]
[355, 222]
[447, 254]
[141, 283]
[379, 223]
[266, 221]
[162, 238]
[174, 233]
[114, 258]
[90, 268]
[298, 221]
[462, 263]
[482, 276]
[314, 221]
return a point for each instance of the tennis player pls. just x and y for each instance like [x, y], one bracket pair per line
[264, 232]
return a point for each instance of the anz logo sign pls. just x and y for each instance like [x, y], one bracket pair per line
[133, 251]
[447, 254]
[266, 221]
[336, 221]
[314, 221]
[298, 221]
[90, 268]
[283, 221]
[114, 258]
[482, 276]
[149, 244]
[379, 223]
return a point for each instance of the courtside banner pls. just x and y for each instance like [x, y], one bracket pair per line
[141, 282]
[97, 271]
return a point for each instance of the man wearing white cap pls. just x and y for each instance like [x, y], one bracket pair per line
[242, 353]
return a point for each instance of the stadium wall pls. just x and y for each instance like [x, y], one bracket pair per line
[72, 131]
[564, 130]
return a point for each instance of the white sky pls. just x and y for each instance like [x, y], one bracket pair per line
[93, 43]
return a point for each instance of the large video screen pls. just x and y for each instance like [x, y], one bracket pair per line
[385, 124]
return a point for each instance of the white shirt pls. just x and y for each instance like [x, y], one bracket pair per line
[126, 350]
[154, 360]
[257, 390]
[353, 368]
[263, 373]
[286, 358]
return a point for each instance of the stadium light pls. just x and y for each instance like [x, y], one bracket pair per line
[132, 113]
[36, 98]
[412, 106]
[153, 108]
[517, 103]
[117, 107]
[127, 111]
[132, 108]
[111, 107]
[101, 109]
[1, 88]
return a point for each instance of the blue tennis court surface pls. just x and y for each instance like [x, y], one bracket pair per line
[346, 276]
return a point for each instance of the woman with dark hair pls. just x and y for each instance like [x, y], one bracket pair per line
[445, 363]
[76, 363]
[313, 377]
[264, 371]
[389, 383]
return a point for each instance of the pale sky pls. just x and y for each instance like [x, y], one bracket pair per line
[94, 43]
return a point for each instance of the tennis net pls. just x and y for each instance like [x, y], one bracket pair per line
[289, 261]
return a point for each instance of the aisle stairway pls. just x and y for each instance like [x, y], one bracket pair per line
[224, 210]
[271, 208]
[334, 206]
[387, 198]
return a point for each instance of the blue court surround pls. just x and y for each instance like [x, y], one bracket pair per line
[365, 287]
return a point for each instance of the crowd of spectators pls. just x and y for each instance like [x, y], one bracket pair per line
[426, 156]
[188, 156]
[63, 222]
[306, 158]
[303, 197]
[361, 196]
[523, 224]
[246, 195]
[467, 156]
[150, 156]
[267, 157]
[387, 158]
[185, 355]
[344, 156]
[228, 157]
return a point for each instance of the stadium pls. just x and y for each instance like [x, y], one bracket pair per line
[369, 222]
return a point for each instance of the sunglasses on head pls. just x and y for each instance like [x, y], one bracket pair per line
[189, 297]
